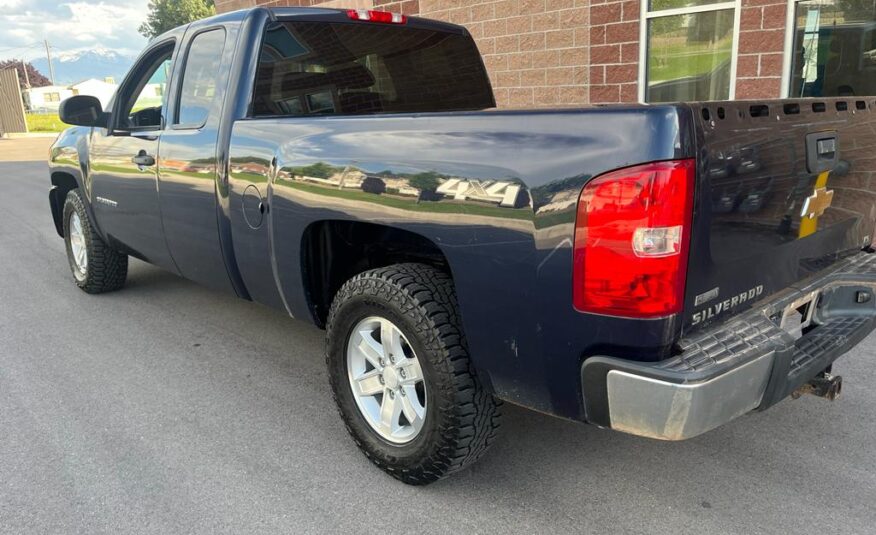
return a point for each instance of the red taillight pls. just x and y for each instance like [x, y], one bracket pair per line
[632, 237]
[385, 17]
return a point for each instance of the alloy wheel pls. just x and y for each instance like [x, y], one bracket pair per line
[386, 379]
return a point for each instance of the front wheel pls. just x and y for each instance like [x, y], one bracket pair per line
[96, 267]
[401, 375]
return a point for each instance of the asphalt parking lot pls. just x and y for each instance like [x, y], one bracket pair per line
[168, 408]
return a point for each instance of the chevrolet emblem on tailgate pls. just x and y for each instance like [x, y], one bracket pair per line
[816, 204]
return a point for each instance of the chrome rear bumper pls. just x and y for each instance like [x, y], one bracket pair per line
[749, 362]
[659, 409]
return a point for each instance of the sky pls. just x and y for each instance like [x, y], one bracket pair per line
[70, 26]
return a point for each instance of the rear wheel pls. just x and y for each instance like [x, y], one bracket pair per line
[96, 267]
[401, 375]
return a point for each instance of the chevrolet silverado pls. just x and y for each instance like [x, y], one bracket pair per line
[655, 269]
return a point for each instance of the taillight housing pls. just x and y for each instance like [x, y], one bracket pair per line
[632, 237]
[384, 17]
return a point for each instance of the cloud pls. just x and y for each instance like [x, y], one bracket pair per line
[70, 26]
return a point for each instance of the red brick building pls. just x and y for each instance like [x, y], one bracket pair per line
[548, 53]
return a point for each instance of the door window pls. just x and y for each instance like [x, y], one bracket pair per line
[144, 98]
[200, 79]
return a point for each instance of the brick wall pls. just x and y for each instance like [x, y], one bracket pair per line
[223, 6]
[536, 51]
[408, 7]
[549, 53]
[761, 42]
[614, 51]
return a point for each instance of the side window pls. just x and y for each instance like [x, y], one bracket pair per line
[152, 94]
[200, 79]
[142, 100]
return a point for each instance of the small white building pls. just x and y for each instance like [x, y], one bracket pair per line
[47, 98]
[101, 89]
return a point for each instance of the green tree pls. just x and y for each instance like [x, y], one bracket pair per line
[427, 181]
[857, 10]
[34, 76]
[166, 15]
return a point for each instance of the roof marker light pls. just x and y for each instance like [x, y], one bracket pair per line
[384, 17]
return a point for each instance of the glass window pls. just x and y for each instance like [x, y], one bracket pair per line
[657, 5]
[689, 56]
[316, 69]
[689, 50]
[834, 51]
[143, 98]
[200, 78]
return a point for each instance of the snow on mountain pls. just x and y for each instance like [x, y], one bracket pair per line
[71, 67]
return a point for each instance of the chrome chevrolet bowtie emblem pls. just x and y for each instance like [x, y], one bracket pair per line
[817, 203]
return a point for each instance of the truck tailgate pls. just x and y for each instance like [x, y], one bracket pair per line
[786, 188]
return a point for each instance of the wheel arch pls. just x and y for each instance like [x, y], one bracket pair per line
[62, 184]
[334, 251]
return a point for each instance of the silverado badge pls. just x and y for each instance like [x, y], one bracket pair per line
[816, 204]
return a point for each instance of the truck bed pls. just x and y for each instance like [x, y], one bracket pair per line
[503, 213]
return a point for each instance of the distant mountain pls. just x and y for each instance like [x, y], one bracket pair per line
[71, 67]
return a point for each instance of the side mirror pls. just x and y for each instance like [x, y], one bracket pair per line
[82, 110]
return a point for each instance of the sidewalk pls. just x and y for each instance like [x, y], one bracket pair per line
[26, 149]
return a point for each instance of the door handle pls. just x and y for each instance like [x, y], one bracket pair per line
[143, 160]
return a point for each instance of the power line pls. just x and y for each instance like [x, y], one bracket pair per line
[32, 45]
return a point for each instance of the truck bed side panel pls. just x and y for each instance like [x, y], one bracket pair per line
[502, 214]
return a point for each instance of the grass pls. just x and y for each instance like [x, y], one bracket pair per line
[680, 60]
[44, 122]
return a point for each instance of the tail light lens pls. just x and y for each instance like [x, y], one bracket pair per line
[384, 17]
[632, 237]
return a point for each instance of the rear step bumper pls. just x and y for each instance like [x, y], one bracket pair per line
[746, 363]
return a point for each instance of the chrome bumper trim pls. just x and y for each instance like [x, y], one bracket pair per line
[667, 411]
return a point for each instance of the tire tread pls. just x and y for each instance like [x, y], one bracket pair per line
[426, 295]
[107, 268]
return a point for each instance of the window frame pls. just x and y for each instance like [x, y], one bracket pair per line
[145, 60]
[180, 83]
[646, 16]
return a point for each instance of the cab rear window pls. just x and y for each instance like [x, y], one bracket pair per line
[315, 68]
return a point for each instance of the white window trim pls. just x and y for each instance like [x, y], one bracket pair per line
[646, 15]
[787, 53]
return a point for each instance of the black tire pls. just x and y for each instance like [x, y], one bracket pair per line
[107, 268]
[462, 417]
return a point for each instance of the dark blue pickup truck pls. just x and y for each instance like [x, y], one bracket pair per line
[659, 270]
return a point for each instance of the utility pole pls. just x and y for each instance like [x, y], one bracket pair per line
[51, 68]
[26, 76]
